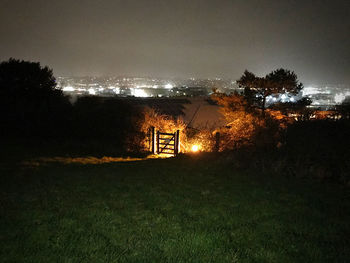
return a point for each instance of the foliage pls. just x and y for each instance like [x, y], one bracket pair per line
[161, 122]
[317, 149]
[33, 108]
[244, 124]
[107, 121]
[204, 138]
[292, 107]
[320, 148]
[26, 80]
[256, 89]
[298, 109]
[344, 109]
[30, 103]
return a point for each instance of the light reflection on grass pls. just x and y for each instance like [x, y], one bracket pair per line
[87, 160]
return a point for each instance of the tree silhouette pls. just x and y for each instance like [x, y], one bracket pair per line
[279, 81]
[29, 99]
[299, 108]
[242, 121]
[344, 109]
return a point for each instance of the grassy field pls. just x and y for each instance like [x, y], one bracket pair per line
[185, 209]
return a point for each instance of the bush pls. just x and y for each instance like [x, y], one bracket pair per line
[106, 121]
[161, 122]
[313, 149]
[30, 103]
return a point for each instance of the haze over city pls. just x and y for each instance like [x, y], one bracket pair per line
[201, 39]
[175, 131]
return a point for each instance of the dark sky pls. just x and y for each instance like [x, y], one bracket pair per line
[179, 38]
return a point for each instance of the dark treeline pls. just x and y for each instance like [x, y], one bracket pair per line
[318, 149]
[34, 112]
[36, 116]
[289, 139]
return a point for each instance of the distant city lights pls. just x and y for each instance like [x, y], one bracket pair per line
[139, 92]
[284, 97]
[168, 86]
[340, 97]
[92, 91]
[116, 90]
[310, 90]
[321, 96]
[68, 89]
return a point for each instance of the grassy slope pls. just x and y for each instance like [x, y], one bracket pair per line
[175, 210]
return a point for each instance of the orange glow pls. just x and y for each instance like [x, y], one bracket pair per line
[88, 160]
[195, 148]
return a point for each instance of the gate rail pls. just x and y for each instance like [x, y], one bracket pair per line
[164, 142]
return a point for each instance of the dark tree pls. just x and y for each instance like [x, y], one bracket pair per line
[344, 109]
[298, 107]
[29, 100]
[26, 79]
[280, 81]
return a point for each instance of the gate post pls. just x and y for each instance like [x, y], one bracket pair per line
[153, 140]
[217, 142]
[157, 151]
[177, 142]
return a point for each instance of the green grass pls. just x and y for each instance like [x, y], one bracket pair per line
[182, 209]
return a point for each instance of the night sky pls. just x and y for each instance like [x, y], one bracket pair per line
[178, 38]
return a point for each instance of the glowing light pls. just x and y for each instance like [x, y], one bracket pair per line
[68, 88]
[195, 148]
[310, 91]
[307, 91]
[116, 90]
[168, 86]
[339, 97]
[139, 93]
[92, 91]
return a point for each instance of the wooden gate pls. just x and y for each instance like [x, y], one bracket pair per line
[165, 143]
